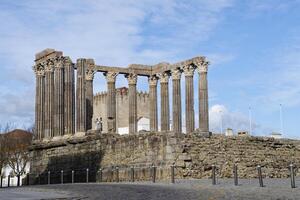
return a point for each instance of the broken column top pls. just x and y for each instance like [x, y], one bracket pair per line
[47, 53]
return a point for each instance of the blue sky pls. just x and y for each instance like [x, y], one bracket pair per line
[253, 47]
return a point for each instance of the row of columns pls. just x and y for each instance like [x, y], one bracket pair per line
[165, 108]
[55, 97]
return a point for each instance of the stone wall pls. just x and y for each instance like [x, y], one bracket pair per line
[193, 156]
[122, 107]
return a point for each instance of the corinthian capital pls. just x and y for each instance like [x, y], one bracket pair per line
[49, 65]
[164, 77]
[111, 76]
[39, 69]
[89, 74]
[202, 66]
[132, 78]
[189, 70]
[59, 62]
[153, 80]
[68, 61]
[176, 74]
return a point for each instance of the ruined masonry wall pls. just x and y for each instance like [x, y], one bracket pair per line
[192, 155]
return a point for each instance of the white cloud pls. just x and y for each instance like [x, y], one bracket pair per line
[221, 117]
[111, 32]
[17, 109]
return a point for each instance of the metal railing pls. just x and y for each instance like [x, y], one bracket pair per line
[112, 174]
[214, 172]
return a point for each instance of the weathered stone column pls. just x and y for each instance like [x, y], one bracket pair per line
[132, 79]
[111, 101]
[69, 97]
[39, 101]
[49, 98]
[89, 77]
[153, 102]
[189, 98]
[80, 96]
[59, 111]
[203, 98]
[165, 108]
[177, 123]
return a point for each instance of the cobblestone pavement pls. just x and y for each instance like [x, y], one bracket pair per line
[183, 189]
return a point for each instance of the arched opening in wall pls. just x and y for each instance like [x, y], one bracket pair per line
[143, 124]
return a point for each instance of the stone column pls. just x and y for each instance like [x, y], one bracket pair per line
[39, 101]
[153, 102]
[189, 98]
[49, 98]
[132, 79]
[89, 76]
[59, 111]
[203, 98]
[80, 96]
[177, 124]
[69, 97]
[165, 108]
[111, 101]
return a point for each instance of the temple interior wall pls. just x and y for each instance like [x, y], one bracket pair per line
[191, 154]
[100, 107]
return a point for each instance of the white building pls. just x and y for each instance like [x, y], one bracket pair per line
[143, 125]
[276, 135]
[229, 132]
[19, 137]
[6, 171]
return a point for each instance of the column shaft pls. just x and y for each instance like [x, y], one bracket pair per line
[153, 103]
[89, 104]
[132, 79]
[203, 100]
[80, 96]
[39, 101]
[49, 100]
[59, 98]
[69, 98]
[41, 121]
[111, 101]
[89, 94]
[165, 108]
[177, 123]
[189, 99]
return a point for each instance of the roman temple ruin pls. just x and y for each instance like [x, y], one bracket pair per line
[56, 112]
[68, 147]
